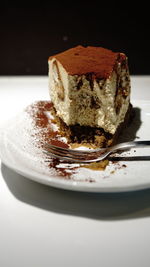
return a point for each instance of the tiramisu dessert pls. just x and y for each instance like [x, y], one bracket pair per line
[90, 91]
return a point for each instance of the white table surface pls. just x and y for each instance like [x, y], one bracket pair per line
[42, 226]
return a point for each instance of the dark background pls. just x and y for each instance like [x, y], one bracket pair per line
[28, 36]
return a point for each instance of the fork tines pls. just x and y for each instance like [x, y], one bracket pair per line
[70, 154]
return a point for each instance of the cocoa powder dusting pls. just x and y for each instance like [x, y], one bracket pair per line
[97, 62]
[47, 134]
[61, 171]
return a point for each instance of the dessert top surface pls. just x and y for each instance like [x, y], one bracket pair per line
[83, 60]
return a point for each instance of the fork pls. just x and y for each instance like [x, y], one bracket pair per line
[88, 156]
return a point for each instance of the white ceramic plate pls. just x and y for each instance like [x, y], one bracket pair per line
[18, 152]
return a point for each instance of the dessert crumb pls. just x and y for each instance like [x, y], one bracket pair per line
[124, 165]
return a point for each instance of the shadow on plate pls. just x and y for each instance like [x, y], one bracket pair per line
[102, 206]
[130, 132]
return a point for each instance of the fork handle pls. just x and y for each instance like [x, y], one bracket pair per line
[128, 145]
